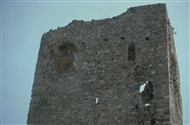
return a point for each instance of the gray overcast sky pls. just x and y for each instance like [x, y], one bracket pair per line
[24, 22]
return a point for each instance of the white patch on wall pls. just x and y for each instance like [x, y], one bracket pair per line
[147, 104]
[97, 100]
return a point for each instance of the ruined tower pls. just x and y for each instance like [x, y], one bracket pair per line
[92, 72]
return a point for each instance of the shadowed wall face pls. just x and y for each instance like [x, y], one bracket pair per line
[92, 72]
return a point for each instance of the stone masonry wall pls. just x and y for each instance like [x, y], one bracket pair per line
[91, 72]
[174, 83]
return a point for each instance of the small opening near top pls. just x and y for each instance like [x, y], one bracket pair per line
[147, 38]
[105, 39]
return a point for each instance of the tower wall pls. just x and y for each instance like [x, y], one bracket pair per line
[90, 72]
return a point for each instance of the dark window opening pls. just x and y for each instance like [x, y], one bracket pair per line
[131, 53]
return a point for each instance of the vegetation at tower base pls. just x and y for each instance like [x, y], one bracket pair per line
[91, 72]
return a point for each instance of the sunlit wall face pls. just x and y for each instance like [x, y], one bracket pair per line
[23, 23]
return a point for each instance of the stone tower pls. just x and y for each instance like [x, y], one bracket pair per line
[93, 72]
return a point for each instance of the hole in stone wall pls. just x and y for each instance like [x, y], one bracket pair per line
[136, 106]
[83, 43]
[146, 99]
[147, 38]
[105, 39]
[147, 93]
[131, 53]
[122, 37]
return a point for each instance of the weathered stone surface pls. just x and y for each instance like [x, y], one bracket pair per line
[91, 72]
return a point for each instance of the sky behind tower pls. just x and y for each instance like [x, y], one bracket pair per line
[24, 22]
